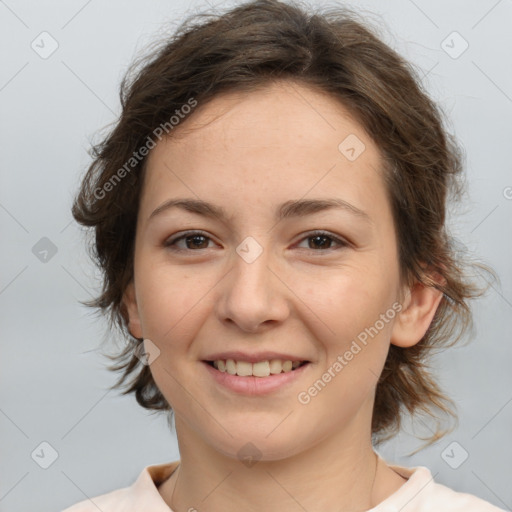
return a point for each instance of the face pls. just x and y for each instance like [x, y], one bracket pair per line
[279, 276]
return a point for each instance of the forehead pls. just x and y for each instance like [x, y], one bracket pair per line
[283, 140]
[279, 114]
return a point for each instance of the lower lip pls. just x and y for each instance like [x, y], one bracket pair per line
[255, 385]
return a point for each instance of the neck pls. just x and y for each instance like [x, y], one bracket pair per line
[341, 473]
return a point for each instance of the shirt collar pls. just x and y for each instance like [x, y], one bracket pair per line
[144, 495]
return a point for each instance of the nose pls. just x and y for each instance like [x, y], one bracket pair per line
[252, 294]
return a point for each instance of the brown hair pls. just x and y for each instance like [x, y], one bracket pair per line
[334, 51]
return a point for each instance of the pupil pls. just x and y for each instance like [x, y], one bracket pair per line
[320, 237]
[195, 238]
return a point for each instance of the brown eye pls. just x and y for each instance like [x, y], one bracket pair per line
[321, 240]
[193, 240]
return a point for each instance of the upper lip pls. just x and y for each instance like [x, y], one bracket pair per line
[253, 358]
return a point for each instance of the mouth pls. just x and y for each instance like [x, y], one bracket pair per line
[259, 369]
[258, 377]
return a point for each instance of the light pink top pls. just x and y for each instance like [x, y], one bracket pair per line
[419, 494]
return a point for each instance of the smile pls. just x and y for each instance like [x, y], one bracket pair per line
[257, 369]
[255, 378]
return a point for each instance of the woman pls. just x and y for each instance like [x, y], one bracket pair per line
[269, 214]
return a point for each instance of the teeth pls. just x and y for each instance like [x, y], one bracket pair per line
[287, 366]
[243, 368]
[259, 369]
[231, 367]
[276, 366]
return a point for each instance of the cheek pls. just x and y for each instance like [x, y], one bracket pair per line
[352, 299]
[173, 312]
[170, 298]
[358, 310]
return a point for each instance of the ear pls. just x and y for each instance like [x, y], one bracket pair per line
[130, 303]
[418, 310]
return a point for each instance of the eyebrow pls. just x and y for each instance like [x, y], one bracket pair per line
[289, 209]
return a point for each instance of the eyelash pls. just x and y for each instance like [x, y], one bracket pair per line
[170, 243]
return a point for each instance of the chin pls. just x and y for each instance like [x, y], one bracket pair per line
[258, 443]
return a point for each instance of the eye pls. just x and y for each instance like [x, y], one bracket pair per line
[197, 240]
[193, 240]
[323, 240]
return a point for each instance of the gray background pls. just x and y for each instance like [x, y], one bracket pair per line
[54, 385]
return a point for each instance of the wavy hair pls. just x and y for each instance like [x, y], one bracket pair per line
[334, 51]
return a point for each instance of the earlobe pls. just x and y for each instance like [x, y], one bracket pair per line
[416, 316]
[132, 311]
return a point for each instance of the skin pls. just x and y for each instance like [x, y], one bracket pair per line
[249, 153]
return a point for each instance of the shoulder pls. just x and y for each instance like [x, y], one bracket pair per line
[140, 496]
[440, 497]
[422, 494]
[110, 502]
